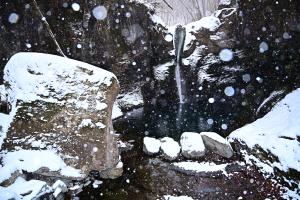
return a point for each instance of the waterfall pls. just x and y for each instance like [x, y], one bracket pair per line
[178, 46]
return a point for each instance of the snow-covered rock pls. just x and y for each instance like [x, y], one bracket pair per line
[278, 133]
[59, 187]
[192, 145]
[60, 118]
[217, 144]
[25, 190]
[130, 100]
[170, 148]
[151, 145]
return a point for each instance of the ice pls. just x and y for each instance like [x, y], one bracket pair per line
[226, 55]
[99, 12]
[75, 6]
[229, 91]
[13, 18]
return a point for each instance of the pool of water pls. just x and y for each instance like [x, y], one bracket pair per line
[172, 121]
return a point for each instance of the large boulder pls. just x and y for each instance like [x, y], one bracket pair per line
[192, 145]
[217, 144]
[60, 123]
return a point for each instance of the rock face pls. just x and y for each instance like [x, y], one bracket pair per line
[170, 148]
[217, 144]
[151, 145]
[62, 108]
[192, 145]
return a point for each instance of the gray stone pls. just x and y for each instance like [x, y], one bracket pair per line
[217, 144]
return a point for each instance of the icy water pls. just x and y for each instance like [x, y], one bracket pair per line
[150, 177]
[171, 121]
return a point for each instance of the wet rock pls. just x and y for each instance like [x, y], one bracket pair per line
[192, 145]
[170, 148]
[61, 116]
[113, 173]
[151, 145]
[217, 144]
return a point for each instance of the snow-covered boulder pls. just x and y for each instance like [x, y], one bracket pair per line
[217, 144]
[60, 118]
[151, 145]
[192, 145]
[170, 148]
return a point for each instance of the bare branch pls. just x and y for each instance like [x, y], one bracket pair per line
[48, 27]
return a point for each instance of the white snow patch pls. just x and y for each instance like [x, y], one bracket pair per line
[25, 190]
[151, 145]
[116, 112]
[32, 160]
[192, 144]
[169, 197]
[161, 72]
[201, 167]
[170, 148]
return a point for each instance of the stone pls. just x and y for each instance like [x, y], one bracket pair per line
[170, 148]
[217, 144]
[151, 145]
[61, 108]
[192, 145]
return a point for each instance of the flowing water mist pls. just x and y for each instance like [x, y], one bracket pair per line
[179, 39]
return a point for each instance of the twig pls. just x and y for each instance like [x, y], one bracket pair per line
[48, 28]
[168, 4]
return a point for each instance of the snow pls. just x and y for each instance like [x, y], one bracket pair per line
[170, 148]
[229, 91]
[276, 132]
[192, 144]
[201, 167]
[225, 2]
[37, 80]
[25, 190]
[75, 6]
[169, 197]
[13, 18]
[263, 46]
[32, 160]
[272, 96]
[168, 37]
[131, 99]
[161, 72]
[86, 123]
[99, 12]
[151, 145]
[226, 55]
[116, 112]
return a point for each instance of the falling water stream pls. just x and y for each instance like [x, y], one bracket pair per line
[179, 40]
